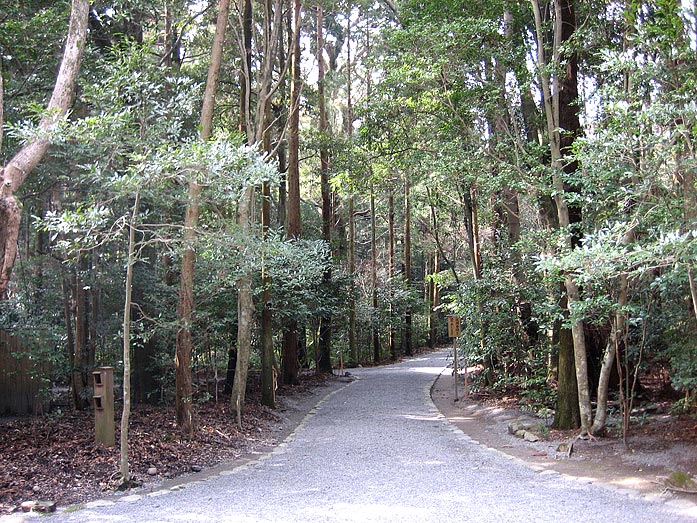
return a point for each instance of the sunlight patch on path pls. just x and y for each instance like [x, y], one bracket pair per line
[420, 417]
[370, 512]
[434, 371]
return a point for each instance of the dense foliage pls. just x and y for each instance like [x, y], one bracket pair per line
[429, 122]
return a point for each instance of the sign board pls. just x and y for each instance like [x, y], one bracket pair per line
[454, 326]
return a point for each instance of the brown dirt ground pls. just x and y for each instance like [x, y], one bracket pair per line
[662, 444]
[55, 458]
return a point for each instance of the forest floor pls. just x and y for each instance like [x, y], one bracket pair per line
[658, 443]
[54, 457]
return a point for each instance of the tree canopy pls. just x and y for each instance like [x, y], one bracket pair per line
[371, 169]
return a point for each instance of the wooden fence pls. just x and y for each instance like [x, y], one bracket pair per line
[20, 378]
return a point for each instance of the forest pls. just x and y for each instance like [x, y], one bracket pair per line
[215, 192]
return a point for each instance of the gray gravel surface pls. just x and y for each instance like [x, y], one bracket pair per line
[378, 450]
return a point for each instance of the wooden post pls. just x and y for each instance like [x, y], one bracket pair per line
[455, 371]
[104, 406]
[454, 327]
[467, 389]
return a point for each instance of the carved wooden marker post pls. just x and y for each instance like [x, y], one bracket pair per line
[104, 405]
[454, 327]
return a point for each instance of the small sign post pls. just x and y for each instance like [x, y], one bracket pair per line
[454, 327]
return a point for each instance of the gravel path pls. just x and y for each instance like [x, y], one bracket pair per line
[378, 450]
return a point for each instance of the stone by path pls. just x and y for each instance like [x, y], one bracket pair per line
[378, 450]
[604, 462]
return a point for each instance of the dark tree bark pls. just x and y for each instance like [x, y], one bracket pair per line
[246, 78]
[289, 361]
[390, 271]
[575, 347]
[81, 343]
[353, 348]
[374, 279]
[185, 309]
[472, 226]
[407, 348]
[432, 291]
[566, 414]
[256, 129]
[268, 367]
[281, 117]
[324, 361]
[231, 364]
[268, 383]
[568, 112]
[560, 93]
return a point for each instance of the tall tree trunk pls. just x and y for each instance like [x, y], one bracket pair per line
[282, 117]
[353, 347]
[433, 301]
[246, 80]
[185, 308]
[617, 334]
[272, 23]
[619, 325]
[472, 226]
[324, 360]
[80, 327]
[375, 324]
[289, 361]
[469, 199]
[567, 414]
[13, 175]
[94, 312]
[182, 361]
[684, 152]
[374, 279]
[560, 97]
[407, 342]
[569, 121]
[172, 48]
[440, 251]
[353, 344]
[268, 385]
[282, 191]
[503, 124]
[245, 319]
[126, 413]
[509, 196]
[68, 324]
[390, 271]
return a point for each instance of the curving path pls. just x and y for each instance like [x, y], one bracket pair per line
[377, 450]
